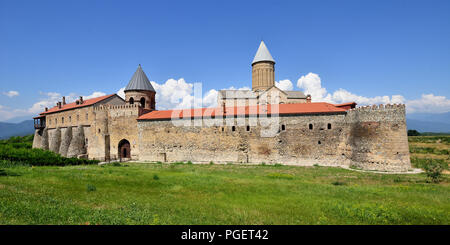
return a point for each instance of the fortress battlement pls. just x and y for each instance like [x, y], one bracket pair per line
[115, 107]
[380, 107]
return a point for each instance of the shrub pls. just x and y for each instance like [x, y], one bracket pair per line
[427, 150]
[37, 157]
[337, 182]
[423, 162]
[434, 171]
[211, 163]
[155, 177]
[189, 162]
[90, 188]
[397, 179]
[431, 139]
[116, 164]
[413, 132]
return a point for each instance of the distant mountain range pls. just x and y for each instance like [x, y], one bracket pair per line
[422, 122]
[427, 122]
[16, 129]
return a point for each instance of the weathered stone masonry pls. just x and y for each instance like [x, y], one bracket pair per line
[368, 137]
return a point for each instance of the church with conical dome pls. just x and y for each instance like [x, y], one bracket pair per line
[264, 89]
[263, 125]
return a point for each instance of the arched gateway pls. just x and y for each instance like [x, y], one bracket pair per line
[124, 149]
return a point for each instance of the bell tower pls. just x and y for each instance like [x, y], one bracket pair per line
[263, 69]
[139, 90]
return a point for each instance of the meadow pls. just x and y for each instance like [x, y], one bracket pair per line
[185, 193]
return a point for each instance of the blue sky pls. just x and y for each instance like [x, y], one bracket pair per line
[366, 48]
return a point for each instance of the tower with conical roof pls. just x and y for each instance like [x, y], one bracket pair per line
[140, 90]
[263, 69]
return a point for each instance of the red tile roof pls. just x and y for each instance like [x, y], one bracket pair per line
[283, 109]
[74, 105]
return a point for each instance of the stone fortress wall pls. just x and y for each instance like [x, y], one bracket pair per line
[369, 138]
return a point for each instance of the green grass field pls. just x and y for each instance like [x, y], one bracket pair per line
[155, 193]
[144, 193]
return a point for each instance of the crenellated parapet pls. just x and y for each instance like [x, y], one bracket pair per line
[388, 112]
[115, 107]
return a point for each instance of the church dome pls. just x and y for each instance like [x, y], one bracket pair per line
[139, 81]
[262, 54]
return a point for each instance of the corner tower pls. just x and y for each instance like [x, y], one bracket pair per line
[140, 90]
[263, 69]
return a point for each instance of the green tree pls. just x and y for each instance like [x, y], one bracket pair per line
[413, 132]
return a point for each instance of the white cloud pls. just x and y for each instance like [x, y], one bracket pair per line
[11, 93]
[284, 85]
[47, 100]
[121, 93]
[312, 84]
[428, 103]
[179, 94]
[93, 95]
[233, 88]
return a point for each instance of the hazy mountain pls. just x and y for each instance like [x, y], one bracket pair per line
[428, 122]
[16, 129]
[424, 126]
[18, 119]
[429, 117]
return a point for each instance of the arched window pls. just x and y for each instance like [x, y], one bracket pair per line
[131, 100]
[310, 126]
[233, 128]
[329, 126]
[143, 102]
[283, 127]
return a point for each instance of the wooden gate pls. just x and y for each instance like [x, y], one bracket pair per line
[124, 149]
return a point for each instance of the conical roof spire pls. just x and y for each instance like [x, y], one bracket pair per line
[139, 81]
[262, 54]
